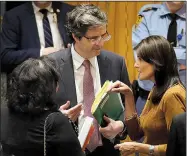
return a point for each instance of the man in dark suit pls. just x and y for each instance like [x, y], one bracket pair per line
[177, 136]
[84, 68]
[23, 33]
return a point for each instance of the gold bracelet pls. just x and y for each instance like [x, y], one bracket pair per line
[134, 115]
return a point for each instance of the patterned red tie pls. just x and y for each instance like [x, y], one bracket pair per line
[88, 96]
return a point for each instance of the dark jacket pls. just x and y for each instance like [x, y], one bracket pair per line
[19, 37]
[23, 135]
[177, 136]
[111, 67]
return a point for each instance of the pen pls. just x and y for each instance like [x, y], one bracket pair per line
[182, 31]
[179, 36]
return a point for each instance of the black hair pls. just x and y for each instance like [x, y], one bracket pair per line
[32, 86]
[84, 17]
[157, 51]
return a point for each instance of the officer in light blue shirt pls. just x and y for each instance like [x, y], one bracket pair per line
[153, 19]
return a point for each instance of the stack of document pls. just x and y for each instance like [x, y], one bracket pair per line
[85, 131]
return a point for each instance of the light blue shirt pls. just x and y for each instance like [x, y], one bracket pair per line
[155, 21]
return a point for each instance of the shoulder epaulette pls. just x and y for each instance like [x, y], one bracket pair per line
[149, 7]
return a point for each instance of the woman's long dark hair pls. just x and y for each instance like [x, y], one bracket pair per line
[32, 85]
[157, 51]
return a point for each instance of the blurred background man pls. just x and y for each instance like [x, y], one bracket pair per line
[32, 29]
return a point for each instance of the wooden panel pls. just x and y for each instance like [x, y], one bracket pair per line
[121, 17]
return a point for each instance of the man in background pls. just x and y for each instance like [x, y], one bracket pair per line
[168, 20]
[32, 29]
[84, 68]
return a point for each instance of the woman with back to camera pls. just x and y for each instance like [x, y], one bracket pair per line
[156, 62]
[30, 104]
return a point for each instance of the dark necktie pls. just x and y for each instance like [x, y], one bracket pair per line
[88, 98]
[172, 31]
[47, 29]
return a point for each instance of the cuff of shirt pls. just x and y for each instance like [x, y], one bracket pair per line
[41, 51]
[122, 135]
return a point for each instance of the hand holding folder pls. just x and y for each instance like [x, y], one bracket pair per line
[108, 104]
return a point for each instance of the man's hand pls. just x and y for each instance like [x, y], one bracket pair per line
[72, 113]
[49, 50]
[112, 129]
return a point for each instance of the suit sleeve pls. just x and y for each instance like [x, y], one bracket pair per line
[171, 147]
[11, 54]
[63, 137]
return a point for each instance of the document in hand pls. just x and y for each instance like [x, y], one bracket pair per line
[85, 132]
[109, 104]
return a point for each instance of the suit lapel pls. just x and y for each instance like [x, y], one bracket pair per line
[66, 68]
[104, 66]
[30, 23]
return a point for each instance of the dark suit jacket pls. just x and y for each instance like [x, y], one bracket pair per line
[111, 67]
[23, 135]
[19, 38]
[177, 136]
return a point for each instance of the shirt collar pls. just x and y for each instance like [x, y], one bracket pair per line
[164, 10]
[78, 60]
[37, 9]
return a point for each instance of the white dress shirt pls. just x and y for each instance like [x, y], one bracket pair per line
[57, 40]
[79, 74]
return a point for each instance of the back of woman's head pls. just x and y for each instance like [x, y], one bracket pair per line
[157, 51]
[32, 85]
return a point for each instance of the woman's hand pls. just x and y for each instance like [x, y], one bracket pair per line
[126, 148]
[120, 87]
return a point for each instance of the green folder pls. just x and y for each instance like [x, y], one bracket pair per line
[109, 104]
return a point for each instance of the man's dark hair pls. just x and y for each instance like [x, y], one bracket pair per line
[84, 17]
[32, 85]
[157, 51]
